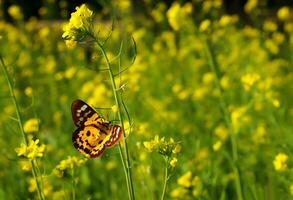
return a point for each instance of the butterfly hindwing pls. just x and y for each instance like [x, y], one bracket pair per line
[116, 134]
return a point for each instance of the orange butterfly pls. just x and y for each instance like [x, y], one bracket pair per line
[93, 133]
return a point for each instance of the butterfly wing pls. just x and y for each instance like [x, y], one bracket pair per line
[90, 140]
[80, 111]
[116, 135]
[93, 134]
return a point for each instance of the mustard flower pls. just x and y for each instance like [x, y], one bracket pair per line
[79, 25]
[69, 163]
[280, 162]
[32, 150]
[185, 180]
[204, 25]
[15, 12]
[31, 125]
[283, 13]
[173, 162]
[162, 146]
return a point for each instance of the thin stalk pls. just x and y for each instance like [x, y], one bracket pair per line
[73, 183]
[224, 108]
[165, 181]
[126, 162]
[19, 120]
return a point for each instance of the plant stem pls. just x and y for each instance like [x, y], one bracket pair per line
[19, 120]
[126, 161]
[165, 181]
[73, 182]
[224, 108]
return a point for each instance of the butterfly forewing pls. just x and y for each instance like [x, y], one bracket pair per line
[81, 111]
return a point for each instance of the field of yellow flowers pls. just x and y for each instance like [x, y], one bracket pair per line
[204, 100]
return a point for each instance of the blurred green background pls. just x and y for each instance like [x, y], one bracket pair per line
[170, 90]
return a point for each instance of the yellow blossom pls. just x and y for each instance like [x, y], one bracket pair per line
[250, 5]
[25, 165]
[270, 26]
[115, 108]
[204, 25]
[176, 16]
[31, 125]
[79, 24]
[217, 146]
[32, 150]
[185, 179]
[280, 162]
[28, 91]
[69, 163]
[249, 80]
[283, 13]
[178, 192]
[15, 12]
[173, 162]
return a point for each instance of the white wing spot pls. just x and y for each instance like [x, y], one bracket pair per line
[83, 107]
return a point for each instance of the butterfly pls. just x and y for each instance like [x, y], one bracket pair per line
[93, 133]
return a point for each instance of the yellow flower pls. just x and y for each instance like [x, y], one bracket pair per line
[162, 146]
[176, 16]
[69, 163]
[25, 165]
[270, 26]
[280, 162]
[79, 24]
[249, 80]
[15, 12]
[28, 91]
[178, 192]
[250, 5]
[32, 150]
[70, 43]
[283, 13]
[204, 25]
[115, 108]
[260, 132]
[31, 125]
[173, 162]
[221, 132]
[217, 146]
[185, 179]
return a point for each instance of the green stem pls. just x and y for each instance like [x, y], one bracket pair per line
[73, 182]
[224, 108]
[165, 181]
[19, 120]
[126, 162]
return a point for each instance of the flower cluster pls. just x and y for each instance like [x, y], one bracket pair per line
[169, 149]
[188, 183]
[280, 162]
[31, 125]
[31, 151]
[79, 25]
[69, 163]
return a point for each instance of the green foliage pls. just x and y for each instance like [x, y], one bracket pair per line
[170, 90]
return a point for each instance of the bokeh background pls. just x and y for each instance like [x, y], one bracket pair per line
[170, 91]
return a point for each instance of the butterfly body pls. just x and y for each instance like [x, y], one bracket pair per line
[94, 133]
